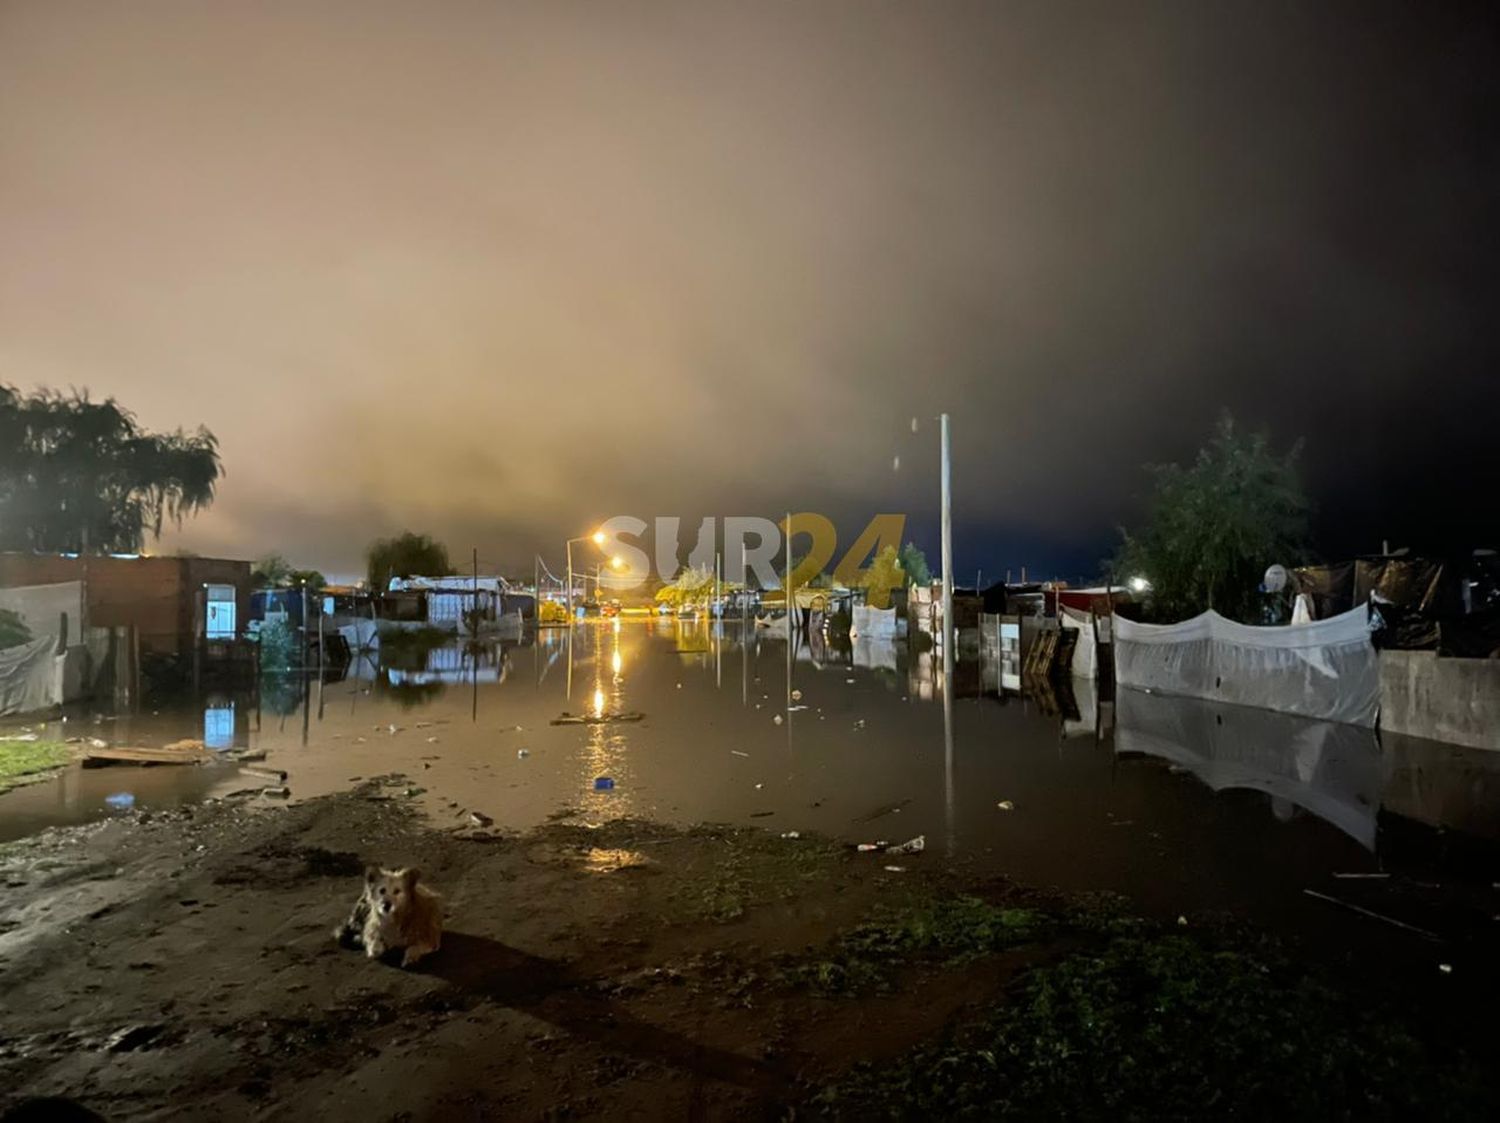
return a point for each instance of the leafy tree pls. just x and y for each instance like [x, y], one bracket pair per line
[883, 575]
[1213, 528]
[406, 555]
[274, 572]
[83, 476]
[914, 565]
[691, 586]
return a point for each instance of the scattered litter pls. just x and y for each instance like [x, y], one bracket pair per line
[895, 869]
[1446, 968]
[860, 724]
[679, 686]
[604, 783]
[359, 740]
[20, 737]
[132, 1038]
[1370, 876]
[263, 772]
[791, 834]
[1371, 914]
[432, 740]
[850, 681]
[391, 729]
[736, 752]
[278, 792]
[910, 846]
[1123, 823]
[120, 800]
[1006, 805]
[759, 786]
[794, 709]
[412, 793]
[864, 847]
[777, 719]
[760, 814]
[98, 743]
[796, 696]
[1182, 922]
[522, 754]
[480, 819]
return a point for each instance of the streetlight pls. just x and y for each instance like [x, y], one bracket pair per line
[598, 538]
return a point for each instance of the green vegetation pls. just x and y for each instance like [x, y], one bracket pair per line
[948, 930]
[13, 630]
[83, 476]
[751, 868]
[1214, 527]
[24, 761]
[1147, 1027]
[278, 646]
[883, 575]
[406, 555]
[274, 572]
[914, 565]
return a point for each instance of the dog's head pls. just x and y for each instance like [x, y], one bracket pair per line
[390, 890]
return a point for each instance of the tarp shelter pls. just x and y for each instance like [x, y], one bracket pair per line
[31, 677]
[873, 623]
[54, 610]
[1334, 770]
[1085, 663]
[1326, 669]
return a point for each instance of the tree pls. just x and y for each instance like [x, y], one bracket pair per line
[406, 555]
[883, 575]
[1213, 528]
[82, 476]
[274, 572]
[13, 630]
[690, 587]
[914, 565]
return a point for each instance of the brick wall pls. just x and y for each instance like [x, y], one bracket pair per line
[156, 595]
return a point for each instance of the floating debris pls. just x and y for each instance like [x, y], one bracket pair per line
[120, 800]
[278, 792]
[736, 752]
[895, 869]
[522, 754]
[865, 847]
[791, 834]
[604, 783]
[480, 819]
[910, 846]
[796, 696]
[1006, 805]
[777, 719]
[1446, 968]
[566, 718]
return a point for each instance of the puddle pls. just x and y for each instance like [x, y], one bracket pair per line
[1179, 805]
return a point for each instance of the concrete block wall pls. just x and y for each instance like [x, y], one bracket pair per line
[1452, 700]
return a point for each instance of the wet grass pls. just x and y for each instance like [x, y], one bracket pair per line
[949, 930]
[21, 762]
[751, 867]
[1159, 1025]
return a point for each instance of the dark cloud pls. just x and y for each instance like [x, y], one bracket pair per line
[499, 270]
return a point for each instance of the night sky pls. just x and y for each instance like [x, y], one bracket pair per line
[497, 271]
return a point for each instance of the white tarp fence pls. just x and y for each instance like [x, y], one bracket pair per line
[874, 623]
[1326, 669]
[31, 677]
[1085, 651]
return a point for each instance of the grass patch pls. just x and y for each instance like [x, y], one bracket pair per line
[24, 761]
[1163, 1026]
[949, 930]
[751, 867]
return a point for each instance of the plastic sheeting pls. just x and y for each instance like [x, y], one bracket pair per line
[1326, 669]
[30, 677]
[1085, 663]
[1334, 770]
[875, 623]
[44, 608]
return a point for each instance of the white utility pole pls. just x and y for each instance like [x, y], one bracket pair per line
[948, 629]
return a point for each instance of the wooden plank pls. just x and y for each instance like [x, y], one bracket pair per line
[121, 755]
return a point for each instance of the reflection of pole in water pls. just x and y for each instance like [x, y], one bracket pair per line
[570, 660]
[786, 590]
[948, 753]
[306, 700]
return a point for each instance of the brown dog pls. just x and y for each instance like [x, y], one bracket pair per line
[395, 911]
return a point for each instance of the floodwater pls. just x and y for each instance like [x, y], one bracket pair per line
[1180, 805]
